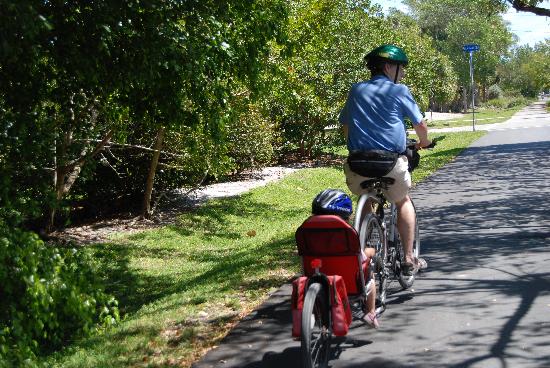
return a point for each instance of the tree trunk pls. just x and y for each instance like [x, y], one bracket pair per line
[51, 210]
[67, 173]
[146, 212]
[302, 148]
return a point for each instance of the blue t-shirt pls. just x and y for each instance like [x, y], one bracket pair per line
[375, 113]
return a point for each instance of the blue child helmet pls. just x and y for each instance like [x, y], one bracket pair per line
[332, 202]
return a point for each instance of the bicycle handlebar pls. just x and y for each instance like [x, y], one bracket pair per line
[411, 143]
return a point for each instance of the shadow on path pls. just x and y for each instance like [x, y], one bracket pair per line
[486, 215]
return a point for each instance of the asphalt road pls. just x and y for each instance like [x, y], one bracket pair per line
[484, 300]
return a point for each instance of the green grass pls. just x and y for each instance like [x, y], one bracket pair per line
[449, 145]
[182, 287]
[483, 116]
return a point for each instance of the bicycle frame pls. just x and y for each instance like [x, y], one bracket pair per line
[392, 231]
[389, 253]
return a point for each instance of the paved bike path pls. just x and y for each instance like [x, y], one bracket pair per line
[485, 299]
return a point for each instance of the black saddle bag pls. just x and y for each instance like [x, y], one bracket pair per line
[413, 157]
[373, 163]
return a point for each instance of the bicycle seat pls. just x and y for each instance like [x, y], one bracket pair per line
[373, 182]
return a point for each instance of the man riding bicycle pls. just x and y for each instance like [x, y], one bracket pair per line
[373, 120]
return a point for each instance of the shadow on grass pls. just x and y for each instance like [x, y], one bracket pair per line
[232, 268]
[134, 289]
[215, 218]
[125, 283]
[111, 353]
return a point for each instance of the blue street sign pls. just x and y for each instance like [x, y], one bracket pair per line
[471, 47]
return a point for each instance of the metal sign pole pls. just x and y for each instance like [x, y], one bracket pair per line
[471, 47]
[473, 96]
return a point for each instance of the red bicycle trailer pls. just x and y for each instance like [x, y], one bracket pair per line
[335, 275]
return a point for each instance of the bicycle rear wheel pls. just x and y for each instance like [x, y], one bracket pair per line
[404, 280]
[316, 331]
[373, 237]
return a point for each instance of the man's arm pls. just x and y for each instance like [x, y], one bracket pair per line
[422, 133]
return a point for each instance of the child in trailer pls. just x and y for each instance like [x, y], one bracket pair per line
[336, 202]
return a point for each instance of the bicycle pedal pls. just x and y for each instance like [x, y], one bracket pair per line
[379, 310]
[379, 303]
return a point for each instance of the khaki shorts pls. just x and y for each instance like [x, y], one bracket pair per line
[395, 192]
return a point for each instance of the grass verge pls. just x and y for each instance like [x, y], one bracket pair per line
[182, 287]
[483, 116]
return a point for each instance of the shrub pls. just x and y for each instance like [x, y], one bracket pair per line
[506, 102]
[520, 101]
[190, 155]
[48, 297]
[117, 182]
[494, 92]
[251, 138]
[497, 103]
[512, 93]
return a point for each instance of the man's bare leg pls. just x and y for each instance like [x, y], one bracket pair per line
[406, 219]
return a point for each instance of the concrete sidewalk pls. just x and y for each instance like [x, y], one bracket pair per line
[532, 116]
[485, 298]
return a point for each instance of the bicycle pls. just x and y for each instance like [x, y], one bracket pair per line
[378, 230]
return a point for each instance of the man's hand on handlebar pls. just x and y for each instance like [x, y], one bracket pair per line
[428, 144]
[424, 144]
[421, 130]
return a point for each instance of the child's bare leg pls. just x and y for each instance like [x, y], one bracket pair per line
[371, 299]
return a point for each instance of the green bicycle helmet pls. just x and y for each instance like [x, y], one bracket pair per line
[388, 54]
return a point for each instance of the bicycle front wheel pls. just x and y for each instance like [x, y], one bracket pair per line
[316, 331]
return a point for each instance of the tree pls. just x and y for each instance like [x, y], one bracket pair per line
[526, 69]
[494, 40]
[433, 16]
[74, 75]
[224, 45]
[430, 74]
[79, 83]
[454, 23]
[329, 40]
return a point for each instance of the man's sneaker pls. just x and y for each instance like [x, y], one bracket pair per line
[422, 264]
[409, 268]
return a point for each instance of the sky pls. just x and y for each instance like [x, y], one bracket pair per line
[529, 28]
